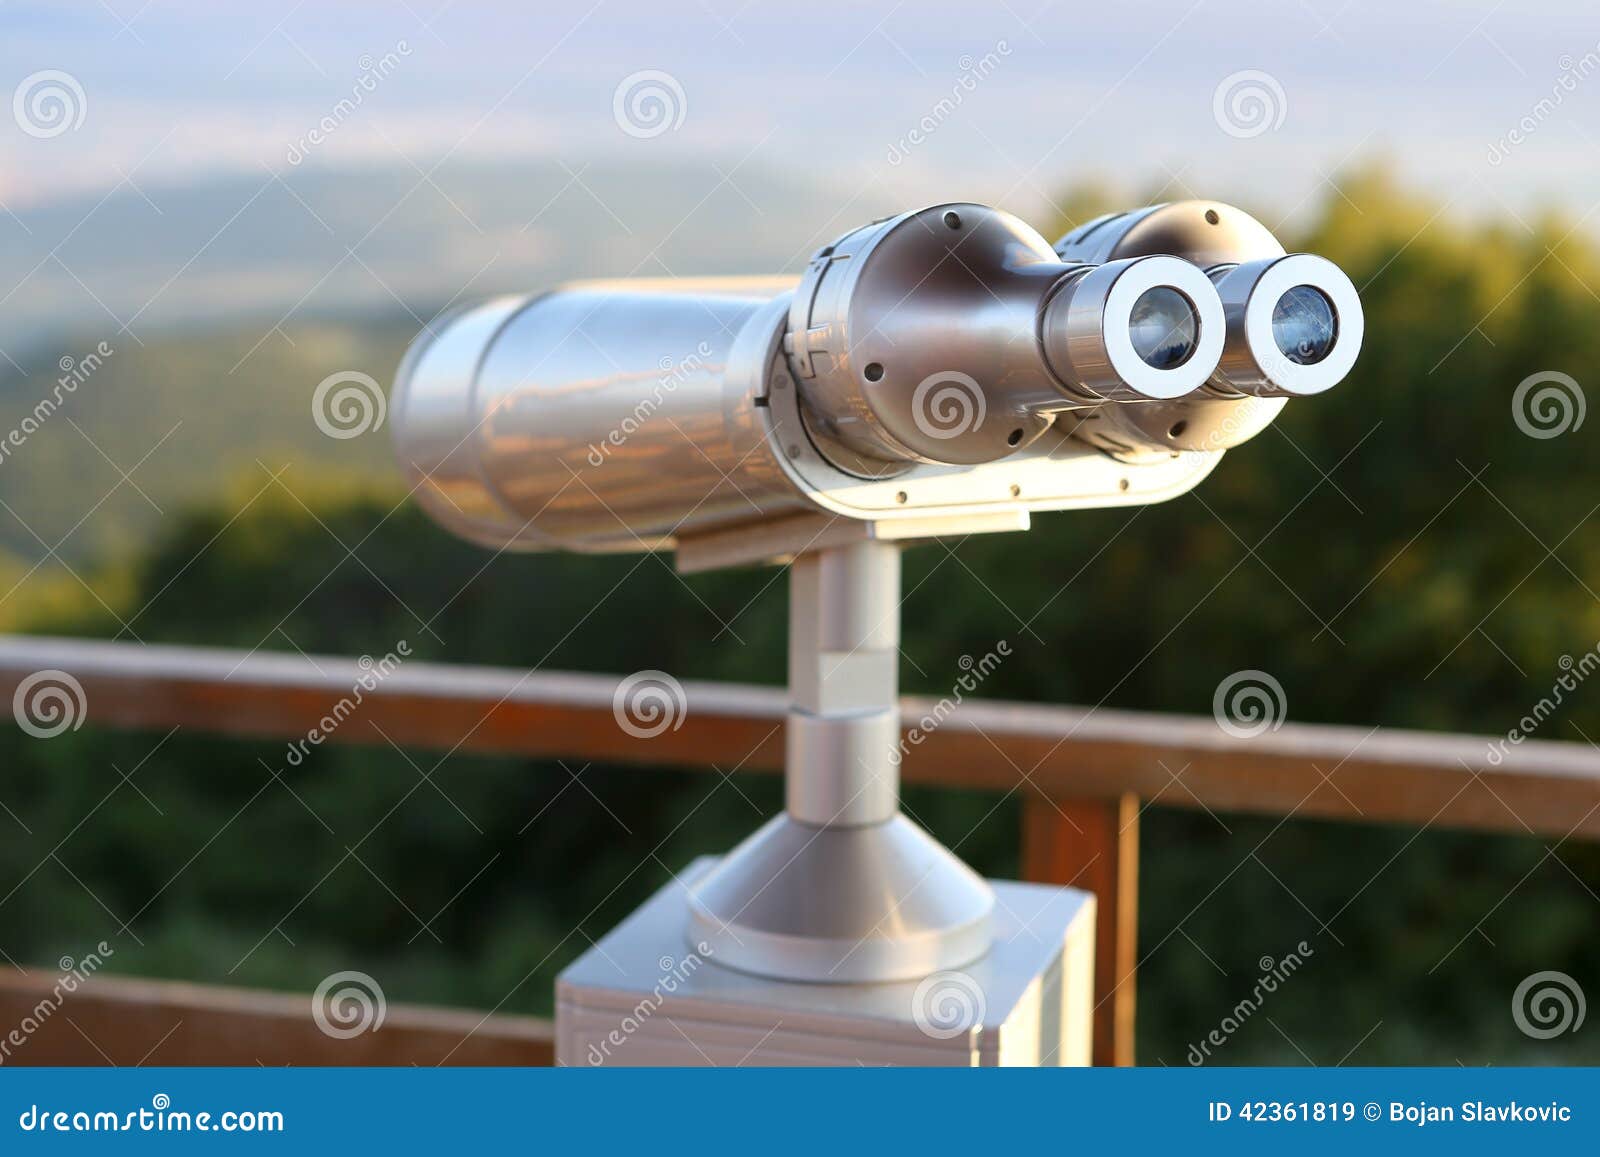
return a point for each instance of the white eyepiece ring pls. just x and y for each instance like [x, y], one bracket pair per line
[1110, 333]
[1269, 305]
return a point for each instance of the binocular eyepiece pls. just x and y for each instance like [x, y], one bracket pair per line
[1285, 326]
[960, 291]
[929, 371]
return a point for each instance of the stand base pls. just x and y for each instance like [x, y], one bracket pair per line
[644, 995]
[899, 904]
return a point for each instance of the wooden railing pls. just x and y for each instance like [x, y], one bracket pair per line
[1082, 775]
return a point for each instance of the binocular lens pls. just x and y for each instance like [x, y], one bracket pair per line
[1164, 328]
[1304, 325]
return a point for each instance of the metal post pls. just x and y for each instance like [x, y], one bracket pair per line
[842, 887]
[844, 712]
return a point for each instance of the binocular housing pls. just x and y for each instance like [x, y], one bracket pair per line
[942, 371]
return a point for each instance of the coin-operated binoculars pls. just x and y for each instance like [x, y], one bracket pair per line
[945, 371]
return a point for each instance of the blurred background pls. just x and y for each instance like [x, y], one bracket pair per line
[206, 210]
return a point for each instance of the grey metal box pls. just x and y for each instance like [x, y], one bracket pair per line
[643, 995]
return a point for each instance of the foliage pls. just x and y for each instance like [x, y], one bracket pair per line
[1398, 554]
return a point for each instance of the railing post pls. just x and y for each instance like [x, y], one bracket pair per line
[1094, 844]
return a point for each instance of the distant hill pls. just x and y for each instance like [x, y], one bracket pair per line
[313, 242]
[240, 295]
[187, 416]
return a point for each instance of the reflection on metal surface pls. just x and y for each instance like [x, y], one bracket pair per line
[939, 366]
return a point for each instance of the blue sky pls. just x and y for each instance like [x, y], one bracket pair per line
[175, 92]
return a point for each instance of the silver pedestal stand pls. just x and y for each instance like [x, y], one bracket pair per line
[841, 887]
[840, 933]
